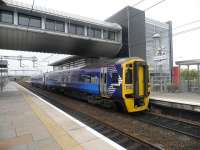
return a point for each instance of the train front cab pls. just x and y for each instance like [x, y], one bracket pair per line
[135, 85]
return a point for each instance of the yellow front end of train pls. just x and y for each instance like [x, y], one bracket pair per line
[135, 85]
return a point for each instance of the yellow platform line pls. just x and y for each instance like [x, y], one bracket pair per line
[64, 140]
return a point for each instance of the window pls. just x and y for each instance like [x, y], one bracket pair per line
[6, 17]
[92, 32]
[109, 35]
[35, 22]
[72, 28]
[76, 29]
[50, 25]
[31, 21]
[85, 78]
[55, 25]
[105, 34]
[129, 76]
[97, 33]
[80, 30]
[94, 79]
[60, 26]
[23, 20]
[114, 77]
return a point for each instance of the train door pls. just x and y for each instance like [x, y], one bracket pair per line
[140, 79]
[103, 82]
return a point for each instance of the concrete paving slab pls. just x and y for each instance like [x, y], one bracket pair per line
[186, 98]
[186, 101]
[45, 144]
[97, 144]
[82, 135]
[19, 147]
[49, 128]
[15, 142]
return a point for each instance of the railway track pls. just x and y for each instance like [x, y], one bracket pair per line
[121, 138]
[124, 138]
[183, 127]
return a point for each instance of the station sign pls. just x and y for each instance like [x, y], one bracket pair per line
[160, 58]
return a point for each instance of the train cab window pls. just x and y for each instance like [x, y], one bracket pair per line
[129, 76]
[114, 77]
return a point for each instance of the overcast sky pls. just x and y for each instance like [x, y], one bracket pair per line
[186, 46]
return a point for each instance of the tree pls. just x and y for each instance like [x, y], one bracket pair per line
[189, 75]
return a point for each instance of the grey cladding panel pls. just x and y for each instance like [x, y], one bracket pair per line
[133, 32]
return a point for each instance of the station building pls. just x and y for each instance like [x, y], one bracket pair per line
[159, 54]
[127, 33]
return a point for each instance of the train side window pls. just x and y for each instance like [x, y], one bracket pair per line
[129, 76]
[94, 79]
[85, 78]
[114, 77]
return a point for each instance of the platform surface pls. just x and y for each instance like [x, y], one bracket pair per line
[29, 123]
[188, 101]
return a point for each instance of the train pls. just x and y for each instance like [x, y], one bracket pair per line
[122, 83]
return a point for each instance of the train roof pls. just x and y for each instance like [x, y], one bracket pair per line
[100, 63]
[105, 62]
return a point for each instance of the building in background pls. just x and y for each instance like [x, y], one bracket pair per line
[159, 53]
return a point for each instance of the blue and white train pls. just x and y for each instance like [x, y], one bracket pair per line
[122, 82]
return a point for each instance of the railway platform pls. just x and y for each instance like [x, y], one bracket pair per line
[184, 101]
[27, 122]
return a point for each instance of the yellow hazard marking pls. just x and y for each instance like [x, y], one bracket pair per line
[64, 140]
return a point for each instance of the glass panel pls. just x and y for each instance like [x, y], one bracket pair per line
[80, 30]
[31, 21]
[90, 32]
[23, 20]
[111, 35]
[60, 26]
[97, 33]
[105, 34]
[35, 22]
[129, 76]
[6, 17]
[50, 25]
[72, 29]
[85, 78]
